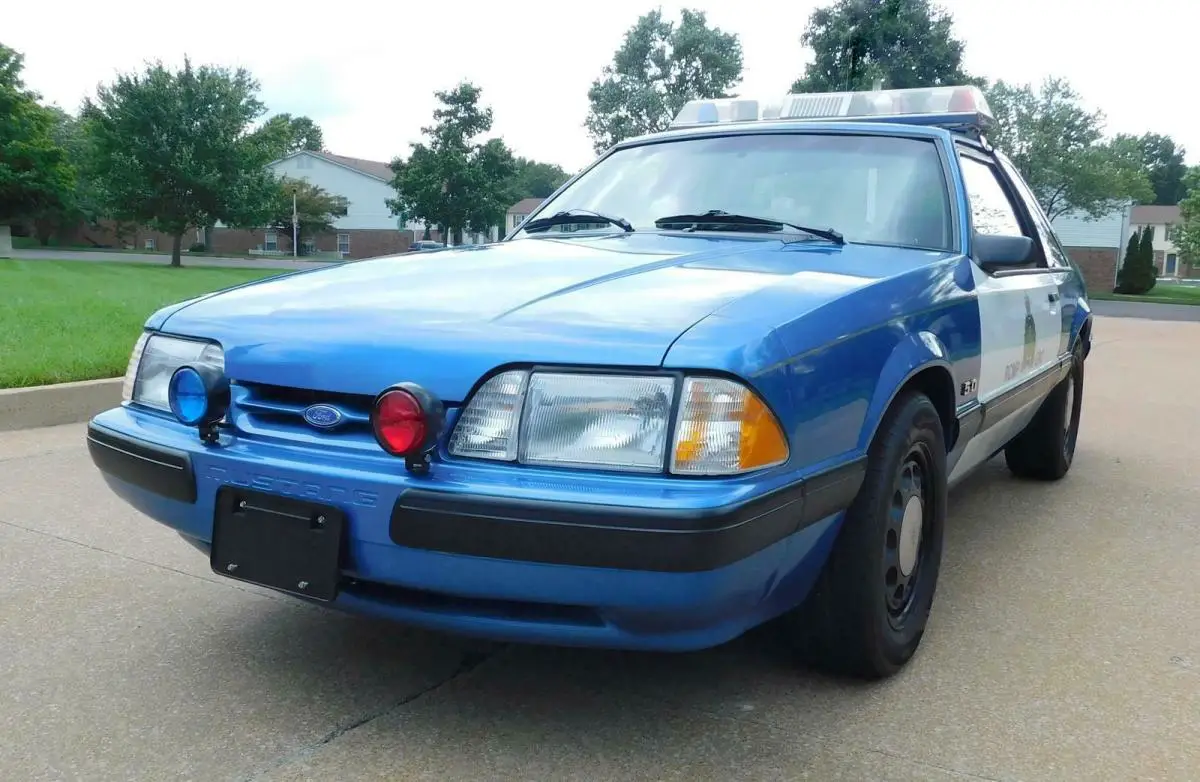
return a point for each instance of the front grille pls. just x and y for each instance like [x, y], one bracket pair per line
[278, 411]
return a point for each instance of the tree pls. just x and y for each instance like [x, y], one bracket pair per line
[1127, 274]
[901, 43]
[82, 203]
[1146, 251]
[285, 134]
[1138, 273]
[1058, 146]
[172, 149]
[658, 68]
[452, 180]
[536, 180]
[35, 175]
[1186, 235]
[1162, 161]
[316, 209]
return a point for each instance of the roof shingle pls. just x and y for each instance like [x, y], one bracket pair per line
[525, 206]
[372, 168]
[1154, 215]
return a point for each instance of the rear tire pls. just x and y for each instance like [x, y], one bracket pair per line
[1045, 448]
[867, 613]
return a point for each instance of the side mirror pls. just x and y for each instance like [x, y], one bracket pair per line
[993, 252]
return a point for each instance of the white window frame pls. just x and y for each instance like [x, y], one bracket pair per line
[343, 240]
[271, 242]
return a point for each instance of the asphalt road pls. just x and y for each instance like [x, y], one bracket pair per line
[162, 259]
[1137, 309]
[1065, 644]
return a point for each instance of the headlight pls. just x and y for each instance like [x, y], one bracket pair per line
[155, 358]
[619, 422]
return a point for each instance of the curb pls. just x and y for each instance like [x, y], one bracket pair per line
[61, 403]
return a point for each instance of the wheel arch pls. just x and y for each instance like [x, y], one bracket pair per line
[1081, 328]
[919, 362]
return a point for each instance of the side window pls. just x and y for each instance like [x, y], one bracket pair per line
[1056, 256]
[991, 211]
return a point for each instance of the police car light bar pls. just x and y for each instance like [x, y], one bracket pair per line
[962, 107]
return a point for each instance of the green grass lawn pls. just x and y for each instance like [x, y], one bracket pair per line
[78, 320]
[1163, 293]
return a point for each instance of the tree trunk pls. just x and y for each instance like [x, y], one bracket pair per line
[176, 250]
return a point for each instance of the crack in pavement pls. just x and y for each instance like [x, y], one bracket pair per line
[470, 661]
[128, 558]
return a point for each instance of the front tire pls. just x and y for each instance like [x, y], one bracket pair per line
[869, 608]
[1045, 448]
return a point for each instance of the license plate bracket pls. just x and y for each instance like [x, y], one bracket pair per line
[281, 543]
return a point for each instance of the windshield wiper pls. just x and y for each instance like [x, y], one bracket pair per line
[717, 220]
[577, 216]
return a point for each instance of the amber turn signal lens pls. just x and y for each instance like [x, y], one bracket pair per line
[724, 428]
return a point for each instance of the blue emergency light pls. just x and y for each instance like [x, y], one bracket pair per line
[961, 108]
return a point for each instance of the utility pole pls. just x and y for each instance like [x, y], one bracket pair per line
[295, 227]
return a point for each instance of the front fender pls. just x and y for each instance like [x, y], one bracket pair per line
[915, 353]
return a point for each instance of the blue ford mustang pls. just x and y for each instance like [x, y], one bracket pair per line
[723, 376]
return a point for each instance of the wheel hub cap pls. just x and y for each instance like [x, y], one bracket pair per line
[910, 534]
[903, 538]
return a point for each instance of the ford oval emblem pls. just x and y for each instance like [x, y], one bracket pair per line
[323, 416]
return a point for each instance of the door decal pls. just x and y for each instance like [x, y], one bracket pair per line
[1030, 359]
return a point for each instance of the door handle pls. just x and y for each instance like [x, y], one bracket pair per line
[1053, 297]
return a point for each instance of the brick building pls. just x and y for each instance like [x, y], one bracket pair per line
[1096, 245]
[368, 228]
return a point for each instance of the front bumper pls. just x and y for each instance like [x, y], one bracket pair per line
[536, 556]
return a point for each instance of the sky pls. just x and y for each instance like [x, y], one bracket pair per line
[367, 71]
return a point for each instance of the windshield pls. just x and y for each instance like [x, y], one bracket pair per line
[873, 189]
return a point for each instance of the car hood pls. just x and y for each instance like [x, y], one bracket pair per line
[444, 318]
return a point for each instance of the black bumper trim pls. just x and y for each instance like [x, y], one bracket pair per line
[164, 471]
[603, 536]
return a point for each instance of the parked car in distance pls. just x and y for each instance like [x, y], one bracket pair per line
[425, 244]
[724, 376]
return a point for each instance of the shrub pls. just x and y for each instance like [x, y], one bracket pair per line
[1138, 274]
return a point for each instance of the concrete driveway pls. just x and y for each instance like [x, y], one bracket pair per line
[1065, 644]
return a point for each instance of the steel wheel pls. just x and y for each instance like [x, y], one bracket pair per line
[909, 515]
